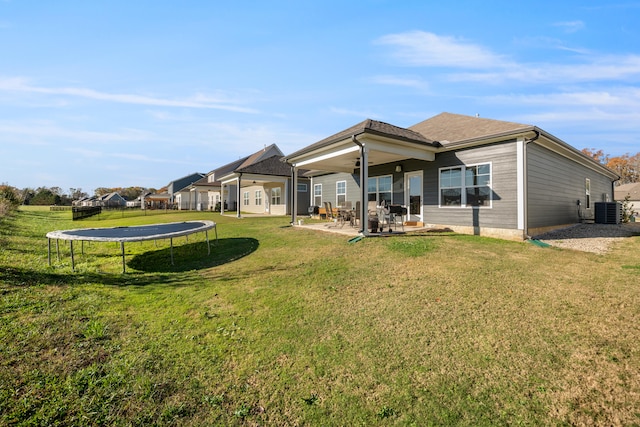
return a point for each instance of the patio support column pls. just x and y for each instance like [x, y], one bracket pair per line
[221, 199]
[294, 195]
[364, 199]
[238, 196]
[364, 178]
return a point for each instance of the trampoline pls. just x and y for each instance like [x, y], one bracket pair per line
[136, 233]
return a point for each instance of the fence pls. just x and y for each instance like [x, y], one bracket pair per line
[81, 212]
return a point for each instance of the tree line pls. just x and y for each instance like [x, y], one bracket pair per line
[49, 196]
[627, 166]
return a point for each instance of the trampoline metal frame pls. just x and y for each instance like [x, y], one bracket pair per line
[68, 235]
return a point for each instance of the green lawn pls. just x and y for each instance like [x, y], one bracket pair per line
[284, 326]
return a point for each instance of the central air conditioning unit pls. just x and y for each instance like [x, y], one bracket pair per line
[608, 213]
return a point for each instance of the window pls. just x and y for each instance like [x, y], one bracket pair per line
[302, 188]
[276, 194]
[317, 194]
[341, 193]
[466, 186]
[587, 192]
[245, 198]
[379, 189]
[258, 197]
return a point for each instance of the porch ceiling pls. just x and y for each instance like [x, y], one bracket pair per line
[343, 155]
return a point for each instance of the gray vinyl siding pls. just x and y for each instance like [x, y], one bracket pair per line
[555, 184]
[303, 197]
[503, 210]
[329, 187]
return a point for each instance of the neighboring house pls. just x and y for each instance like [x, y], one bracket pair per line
[180, 196]
[265, 187]
[86, 201]
[633, 191]
[209, 187]
[158, 200]
[470, 174]
[112, 200]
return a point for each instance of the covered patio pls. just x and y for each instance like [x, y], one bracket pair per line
[355, 150]
[353, 231]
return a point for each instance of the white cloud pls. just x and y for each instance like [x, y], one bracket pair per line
[49, 131]
[360, 114]
[570, 26]
[419, 48]
[622, 98]
[592, 69]
[479, 64]
[412, 82]
[17, 84]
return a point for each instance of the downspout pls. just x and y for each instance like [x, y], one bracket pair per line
[525, 184]
[364, 170]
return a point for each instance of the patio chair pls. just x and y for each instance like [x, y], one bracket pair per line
[356, 217]
[329, 211]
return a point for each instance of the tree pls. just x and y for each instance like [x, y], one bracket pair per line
[597, 155]
[45, 196]
[627, 166]
[9, 199]
[622, 166]
[77, 193]
[27, 195]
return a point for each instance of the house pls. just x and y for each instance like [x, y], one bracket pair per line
[470, 174]
[265, 187]
[633, 191]
[212, 187]
[157, 200]
[180, 196]
[260, 181]
[85, 201]
[111, 200]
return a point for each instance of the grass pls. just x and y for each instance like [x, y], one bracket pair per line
[283, 326]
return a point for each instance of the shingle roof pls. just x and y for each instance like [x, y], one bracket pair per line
[253, 158]
[633, 190]
[450, 128]
[271, 166]
[372, 127]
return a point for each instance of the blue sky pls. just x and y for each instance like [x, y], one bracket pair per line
[138, 93]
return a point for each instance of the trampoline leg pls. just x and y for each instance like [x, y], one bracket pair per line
[49, 251]
[123, 263]
[171, 243]
[58, 249]
[82, 247]
[73, 264]
[206, 234]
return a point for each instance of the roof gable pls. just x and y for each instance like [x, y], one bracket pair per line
[266, 152]
[272, 166]
[451, 128]
[632, 189]
[371, 127]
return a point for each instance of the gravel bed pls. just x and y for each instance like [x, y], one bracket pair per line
[596, 238]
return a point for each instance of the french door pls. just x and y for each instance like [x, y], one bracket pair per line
[413, 196]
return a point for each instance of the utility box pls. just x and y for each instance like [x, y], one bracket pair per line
[608, 213]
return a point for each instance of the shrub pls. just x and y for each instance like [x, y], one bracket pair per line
[627, 209]
[9, 200]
